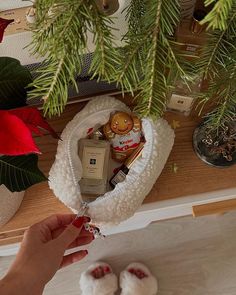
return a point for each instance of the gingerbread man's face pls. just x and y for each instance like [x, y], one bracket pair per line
[121, 123]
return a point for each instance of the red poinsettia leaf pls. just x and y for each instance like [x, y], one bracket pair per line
[3, 24]
[34, 120]
[15, 137]
[35, 130]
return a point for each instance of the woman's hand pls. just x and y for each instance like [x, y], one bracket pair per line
[41, 253]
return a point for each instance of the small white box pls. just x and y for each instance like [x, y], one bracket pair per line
[180, 103]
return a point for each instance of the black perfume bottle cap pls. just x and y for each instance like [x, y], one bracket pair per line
[124, 170]
[119, 176]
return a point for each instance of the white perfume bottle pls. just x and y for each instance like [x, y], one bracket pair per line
[182, 97]
[94, 155]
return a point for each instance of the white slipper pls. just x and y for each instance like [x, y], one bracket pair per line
[106, 285]
[131, 284]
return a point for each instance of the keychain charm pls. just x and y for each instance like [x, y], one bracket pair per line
[89, 227]
[92, 229]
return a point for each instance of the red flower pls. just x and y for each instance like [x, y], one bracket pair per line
[3, 24]
[15, 131]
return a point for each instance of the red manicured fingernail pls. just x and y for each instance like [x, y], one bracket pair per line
[78, 222]
[87, 219]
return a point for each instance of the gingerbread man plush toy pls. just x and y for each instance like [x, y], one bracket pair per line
[124, 132]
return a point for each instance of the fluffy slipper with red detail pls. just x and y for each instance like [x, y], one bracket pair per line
[137, 279]
[98, 279]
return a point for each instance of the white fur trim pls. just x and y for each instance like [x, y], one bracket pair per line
[131, 285]
[122, 202]
[103, 286]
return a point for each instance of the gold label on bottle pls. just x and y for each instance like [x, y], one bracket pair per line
[120, 177]
[93, 162]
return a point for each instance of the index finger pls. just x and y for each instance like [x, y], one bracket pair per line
[57, 220]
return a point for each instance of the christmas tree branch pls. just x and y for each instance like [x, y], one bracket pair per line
[217, 63]
[150, 60]
[105, 56]
[60, 34]
[217, 47]
[129, 70]
[217, 17]
[134, 15]
[225, 91]
[154, 56]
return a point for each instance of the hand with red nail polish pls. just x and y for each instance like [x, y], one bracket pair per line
[42, 253]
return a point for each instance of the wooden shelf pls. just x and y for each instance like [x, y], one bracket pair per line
[214, 208]
[193, 176]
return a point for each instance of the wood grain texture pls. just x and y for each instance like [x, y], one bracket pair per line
[214, 208]
[192, 177]
[38, 203]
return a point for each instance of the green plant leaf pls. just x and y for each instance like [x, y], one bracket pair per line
[20, 172]
[13, 80]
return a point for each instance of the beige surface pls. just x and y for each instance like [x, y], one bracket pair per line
[20, 24]
[193, 176]
[189, 256]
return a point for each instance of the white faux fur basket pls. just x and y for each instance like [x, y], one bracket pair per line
[122, 202]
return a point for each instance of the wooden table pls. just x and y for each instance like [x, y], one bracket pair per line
[174, 194]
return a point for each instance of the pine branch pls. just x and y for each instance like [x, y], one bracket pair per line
[60, 34]
[134, 15]
[224, 89]
[150, 58]
[223, 113]
[53, 82]
[132, 55]
[219, 46]
[181, 67]
[51, 21]
[153, 73]
[152, 97]
[217, 64]
[218, 16]
[128, 73]
[105, 56]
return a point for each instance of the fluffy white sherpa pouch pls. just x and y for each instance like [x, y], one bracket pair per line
[122, 202]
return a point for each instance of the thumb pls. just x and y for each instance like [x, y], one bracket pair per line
[72, 231]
